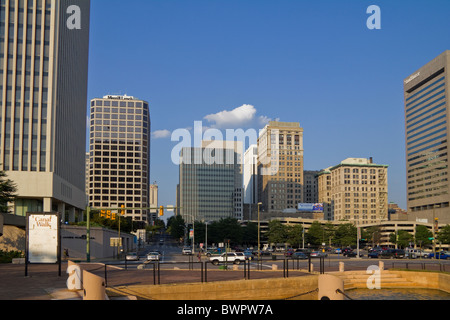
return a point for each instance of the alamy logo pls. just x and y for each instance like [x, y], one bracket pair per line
[74, 20]
[374, 280]
[374, 21]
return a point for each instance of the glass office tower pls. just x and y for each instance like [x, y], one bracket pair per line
[427, 140]
[43, 99]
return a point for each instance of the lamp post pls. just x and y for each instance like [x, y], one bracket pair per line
[259, 232]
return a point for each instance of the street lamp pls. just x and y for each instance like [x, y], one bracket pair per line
[259, 232]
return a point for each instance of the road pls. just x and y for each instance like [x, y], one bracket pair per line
[171, 257]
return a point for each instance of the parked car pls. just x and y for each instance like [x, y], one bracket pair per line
[187, 250]
[392, 254]
[231, 257]
[299, 255]
[337, 251]
[132, 256]
[352, 254]
[374, 254]
[443, 255]
[153, 256]
[318, 254]
[307, 252]
[288, 253]
[248, 254]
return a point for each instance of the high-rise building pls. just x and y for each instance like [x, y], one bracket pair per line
[427, 115]
[355, 190]
[120, 155]
[280, 166]
[153, 194]
[211, 182]
[43, 99]
[251, 175]
[310, 186]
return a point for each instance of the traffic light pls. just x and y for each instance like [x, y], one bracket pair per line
[103, 213]
[161, 211]
[122, 212]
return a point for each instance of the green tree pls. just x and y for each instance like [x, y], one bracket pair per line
[444, 235]
[250, 234]
[176, 226]
[277, 232]
[423, 235]
[295, 235]
[402, 238]
[7, 192]
[346, 234]
[316, 234]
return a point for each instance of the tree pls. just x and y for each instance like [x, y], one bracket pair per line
[402, 238]
[346, 234]
[7, 192]
[176, 226]
[295, 235]
[277, 232]
[250, 234]
[423, 235]
[444, 235]
[316, 234]
[373, 235]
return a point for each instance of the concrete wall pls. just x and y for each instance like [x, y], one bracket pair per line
[260, 289]
[428, 280]
[72, 238]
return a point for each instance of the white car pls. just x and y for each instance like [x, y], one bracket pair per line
[232, 257]
[132, 256]
[153, 256]
[187, 251]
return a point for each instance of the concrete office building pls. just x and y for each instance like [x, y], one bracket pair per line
[120, 155]
[210, 185]
[427, 115]
[280, 166]
[355, 190]
[43, 98]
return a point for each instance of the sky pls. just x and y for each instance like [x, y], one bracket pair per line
[240, 63]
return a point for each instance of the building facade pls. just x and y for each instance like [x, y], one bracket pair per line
[119, 172]
[210, 185]
[280, 166]
[43, 98]
[310, 187]
[251, 175]
[427, 116]
[355, 190]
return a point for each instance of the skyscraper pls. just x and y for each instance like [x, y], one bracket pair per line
[280, 166]
[43, 98]
[427, 116]
[120, 155]
[211, 182]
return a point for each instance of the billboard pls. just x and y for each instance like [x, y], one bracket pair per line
[308, 207]
[43, 237]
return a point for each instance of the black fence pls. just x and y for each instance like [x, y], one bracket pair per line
[156, 272]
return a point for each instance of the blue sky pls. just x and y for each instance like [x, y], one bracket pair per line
[313, 62]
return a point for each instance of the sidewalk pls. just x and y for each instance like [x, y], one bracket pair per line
[41, 284]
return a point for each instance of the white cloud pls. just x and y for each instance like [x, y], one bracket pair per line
[161, 134]
[243, 116]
